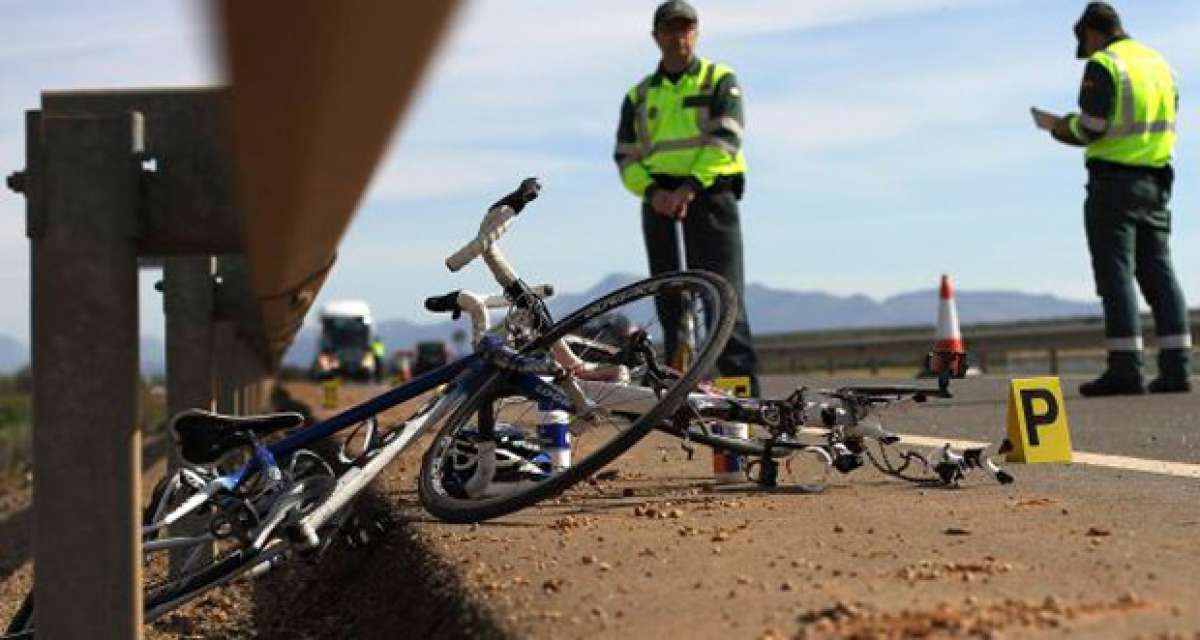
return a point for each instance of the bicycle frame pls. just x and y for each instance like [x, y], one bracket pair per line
[531, 384]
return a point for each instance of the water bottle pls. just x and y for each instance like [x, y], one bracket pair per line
[554, 435]
[727, 466]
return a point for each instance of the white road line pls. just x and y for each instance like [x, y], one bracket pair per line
[1146, 465]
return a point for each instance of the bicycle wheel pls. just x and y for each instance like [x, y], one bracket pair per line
[500, 452]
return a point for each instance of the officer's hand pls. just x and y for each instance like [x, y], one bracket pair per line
[683, 197]
[663, 202]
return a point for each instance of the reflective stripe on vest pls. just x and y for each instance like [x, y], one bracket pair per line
[705, 123]
[1141, 128]
[1128, 126]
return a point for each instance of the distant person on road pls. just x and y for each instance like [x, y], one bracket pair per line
[380, 354]
[1127, 103]
[679, 149]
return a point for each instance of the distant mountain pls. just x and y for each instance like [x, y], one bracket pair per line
[152, 356]
[13, 354]
[771, 311]
[780, 311]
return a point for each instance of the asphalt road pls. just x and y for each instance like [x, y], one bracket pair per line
[1162, 427]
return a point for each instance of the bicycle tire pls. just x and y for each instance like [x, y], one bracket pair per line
[439, 501]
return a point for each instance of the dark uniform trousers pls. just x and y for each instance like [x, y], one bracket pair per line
[1128, 224]
[713, 240]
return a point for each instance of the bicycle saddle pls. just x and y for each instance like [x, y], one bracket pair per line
[203, 436]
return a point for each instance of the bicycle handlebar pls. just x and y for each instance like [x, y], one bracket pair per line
[476, 306]
[495, 223]
[450, 303]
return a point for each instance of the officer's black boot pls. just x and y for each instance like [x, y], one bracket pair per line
[1173, 372]
[1122, 378]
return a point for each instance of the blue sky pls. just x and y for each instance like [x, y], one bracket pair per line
[888, 140]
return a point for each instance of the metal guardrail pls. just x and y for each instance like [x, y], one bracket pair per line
[118, 179]
[903, 346]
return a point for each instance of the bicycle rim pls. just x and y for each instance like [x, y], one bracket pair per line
[500, 451]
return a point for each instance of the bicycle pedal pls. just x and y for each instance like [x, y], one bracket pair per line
[847, 463]
[950, 473]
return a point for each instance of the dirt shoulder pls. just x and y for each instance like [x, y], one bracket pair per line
[656, 550]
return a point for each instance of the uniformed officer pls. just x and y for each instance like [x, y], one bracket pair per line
[1127, 113]
[679, 149]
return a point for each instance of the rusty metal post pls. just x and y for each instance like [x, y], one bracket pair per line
[87, 446]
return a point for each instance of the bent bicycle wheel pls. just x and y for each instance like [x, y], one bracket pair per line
[503, 450]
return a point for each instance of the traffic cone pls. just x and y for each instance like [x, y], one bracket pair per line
[949, 337]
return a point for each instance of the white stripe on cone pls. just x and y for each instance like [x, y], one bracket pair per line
[949, 338]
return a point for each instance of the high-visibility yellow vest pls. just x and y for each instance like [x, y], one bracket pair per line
[674, 128]
[1141, 127]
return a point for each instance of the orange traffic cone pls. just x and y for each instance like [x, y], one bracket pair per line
[949, 337]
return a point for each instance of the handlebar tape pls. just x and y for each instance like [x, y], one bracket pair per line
[444, 304]
[495, 223]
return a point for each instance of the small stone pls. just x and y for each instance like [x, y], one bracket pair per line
[786, 586]
[1097, 532]
[589, 559]
[1052, 604]
[957, 531]
[837, 528]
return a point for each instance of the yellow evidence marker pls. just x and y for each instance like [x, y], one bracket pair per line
[1037, 421]
[739, 386]
[329, 397]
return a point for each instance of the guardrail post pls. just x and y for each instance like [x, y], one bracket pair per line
[188, 309]
[82, 228]
[1053, 358]
[224, 379]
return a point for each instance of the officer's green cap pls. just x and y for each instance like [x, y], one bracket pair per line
[1100, 16]
[673, 9]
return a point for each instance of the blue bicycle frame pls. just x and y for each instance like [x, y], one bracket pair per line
[490, 357]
